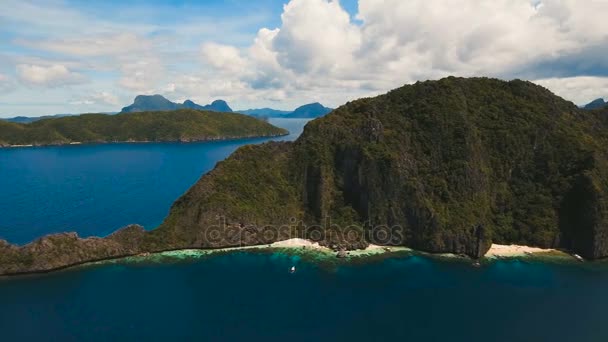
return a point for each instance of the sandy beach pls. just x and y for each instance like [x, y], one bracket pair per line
[298, 243]
[303, 243]
[514, 251]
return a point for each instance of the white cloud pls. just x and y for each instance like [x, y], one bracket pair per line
[320, 52]
[6, 84]
[142, 74]
[48, 76]
[581, 90]
[316, 36]
[106, 98]
[223, 57]
[102, 98]
[92, 45]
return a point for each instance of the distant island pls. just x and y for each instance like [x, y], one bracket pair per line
[183, 125]
[596, 104]
[145, 103]
[160, 103]
[156, 103]
[265, 112]
[448, 166]
[308, 111]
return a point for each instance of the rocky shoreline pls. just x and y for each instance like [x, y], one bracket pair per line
[185, 141]
[496, 252]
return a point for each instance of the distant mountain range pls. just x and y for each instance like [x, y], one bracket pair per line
[160, 103]
[596, 104]
[143, 103]
[146, 103]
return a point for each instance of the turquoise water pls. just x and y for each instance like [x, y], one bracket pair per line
[96, 189]
[251, 296]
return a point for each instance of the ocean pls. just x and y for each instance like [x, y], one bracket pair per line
[237, 296]
[95, 189]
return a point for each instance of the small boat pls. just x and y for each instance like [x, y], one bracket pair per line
[476, 264]
[578, 257]
[292, 269]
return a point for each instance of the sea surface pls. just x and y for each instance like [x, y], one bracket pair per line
[95, 189]
[251, 296]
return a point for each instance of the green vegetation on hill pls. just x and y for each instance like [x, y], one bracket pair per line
[457, 164]
[178, 125]
[441, 166]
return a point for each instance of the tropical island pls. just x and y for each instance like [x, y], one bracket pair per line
[183, 125]
[448, 166]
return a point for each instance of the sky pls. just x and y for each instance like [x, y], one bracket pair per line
[60, 56]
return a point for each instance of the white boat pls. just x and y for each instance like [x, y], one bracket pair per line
[578, 257]
[292, 269]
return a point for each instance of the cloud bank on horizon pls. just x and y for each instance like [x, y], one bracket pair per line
[68, 57]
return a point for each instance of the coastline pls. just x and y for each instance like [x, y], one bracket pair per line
[298, 245]
[185, 141]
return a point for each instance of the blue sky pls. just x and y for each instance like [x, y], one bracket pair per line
[90, 56]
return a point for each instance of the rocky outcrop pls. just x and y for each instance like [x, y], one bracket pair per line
[67, 249]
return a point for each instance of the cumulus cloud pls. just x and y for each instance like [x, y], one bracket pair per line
[320, 52]
[316, 36]
[319, 49]
[49, 76]
[223, 57]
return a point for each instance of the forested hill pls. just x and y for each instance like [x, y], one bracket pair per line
[178, 125]
[457, 164]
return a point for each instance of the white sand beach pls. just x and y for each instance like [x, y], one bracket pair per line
[298, 243]
[515, 250]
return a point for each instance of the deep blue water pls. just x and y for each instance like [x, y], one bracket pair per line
[252, 297]
[98, 188]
